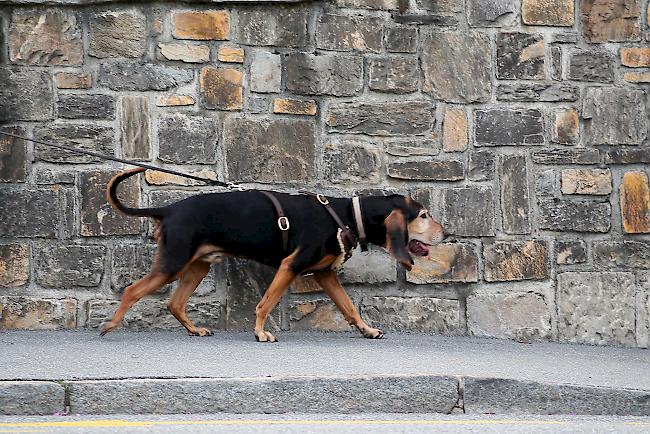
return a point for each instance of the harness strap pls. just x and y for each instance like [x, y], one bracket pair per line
[347, 232]
[283, 220]
[358, 219]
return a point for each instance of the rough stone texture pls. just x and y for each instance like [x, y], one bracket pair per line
[445, 263]
[587, 181]
[481, 165]
[73, 80]
[13, 155]
[319, 315]
[623, 255]
[635, 203]
[611, 21]
[574, 215]
[454, 130]
[295, 106]
[374, 267]
[14, 265]
[635, 57]
[279, 27]
[400, 39]
[566, 126]
[637, 77]
[343, 33]
[285, 150]
[545, 181]
[135, 127]
[643, 310]
[520, 55]
[421, 314]
[393, 74]
[515, 260]
[136, 77]
[627, 156]
[201, 25]
[221, 88]
[28, 213]
[90, 137]
[370, 4]
[522, 316]
[595, 64]
[31, 398]
[561, 156]
[411, 147]
[329, 74]
[615, 116]
[187, 139]
[87, 106]
[129, 263]
[175, 100]
[547, 12]
[352, 159]
[502, 127]
[26, 313]
[26, 95]
[427, 170]
[515, 196]
[187, 53]
[161, 178]
[69, 265]
[533, 92]
[569, 252]
[117, 34]
[381, 119]
[230, 55]
[596, 308]
[484, 13]
[457, 66]
[266, 72]
[469, 212]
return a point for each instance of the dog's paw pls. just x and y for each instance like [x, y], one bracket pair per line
[264, 336]
[106, 327]
[201, 331]
[371, 333]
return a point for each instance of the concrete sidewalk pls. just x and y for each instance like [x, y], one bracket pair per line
[170, 372]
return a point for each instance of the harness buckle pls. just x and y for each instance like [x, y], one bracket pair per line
[283, 223]
[322, 199]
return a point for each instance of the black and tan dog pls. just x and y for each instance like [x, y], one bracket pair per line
[195, 232]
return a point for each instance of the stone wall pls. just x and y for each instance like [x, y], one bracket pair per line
[523, 125]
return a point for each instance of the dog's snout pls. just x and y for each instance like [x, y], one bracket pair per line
[445, 234]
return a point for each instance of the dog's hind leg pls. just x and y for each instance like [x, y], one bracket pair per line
[177, 305]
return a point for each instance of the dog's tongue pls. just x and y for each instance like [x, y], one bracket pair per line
[418, 248]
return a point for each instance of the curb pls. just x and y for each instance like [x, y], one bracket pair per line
[371, 394]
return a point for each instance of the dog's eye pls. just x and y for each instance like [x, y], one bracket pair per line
[423, 216]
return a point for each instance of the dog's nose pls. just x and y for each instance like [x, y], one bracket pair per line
[445, 234]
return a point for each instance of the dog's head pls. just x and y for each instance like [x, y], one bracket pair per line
[410, 229]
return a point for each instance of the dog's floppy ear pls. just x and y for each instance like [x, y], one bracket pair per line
[397, 238]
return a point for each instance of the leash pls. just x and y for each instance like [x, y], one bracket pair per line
[229, 185]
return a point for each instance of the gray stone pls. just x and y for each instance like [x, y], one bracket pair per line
[533, 92]
[643, 311]
[623, 255]
[566, 156]
[67, 266]
[569, 252]
[393, 74]
[615, 116]
[26, 95]
[508, 127]
[421, 314]
[516, 260]
[117, 34]
[545, 183]
[273, 26]
[89, 137]
[142, 77]
[596, 308]
[411, 147]
[351, 159]
[29, 213]
[511, 315]
[401, 39]
[564, 38]
[320, 314]
[520, 56]
[345, 33]
[337, 75]
[265, 72]
[492, 13]
[31, 398]
[135, 127]
[469, 212]
[187, 139]
[86, 106]
[457, 66]
[506, 396]
[481, 165]
[611, 21]
[556, 62]
[515, 196]
[381, 119]
[445, 263]
[574, 215]
[627, 156]
[596, 64]
[370, 4]
[370, 268]
[130, 262]
[283, 150]
[427, 170]
[13, 155]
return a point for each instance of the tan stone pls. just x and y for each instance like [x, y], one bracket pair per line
[302, 285]
[231, 55]
[566, 126]
[23, 313]
[14, 265]
[445, 263]
[635, 203]
[187, 53]
[635, 57]
[135, 127]
[547, 12]
[610, 20]
[317, 315]
[161, 178]
[294, 106]
[74, 80]
[207, 25]
[515, 260]
[221, 88]
[587, 181]
[637, 77]
[454, 130]
[174, 100]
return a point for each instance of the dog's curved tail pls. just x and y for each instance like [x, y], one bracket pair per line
[111, 196]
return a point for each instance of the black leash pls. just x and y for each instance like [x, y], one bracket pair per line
[122, 160]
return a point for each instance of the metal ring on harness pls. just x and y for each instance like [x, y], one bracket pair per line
[283, 223]
[322, 199]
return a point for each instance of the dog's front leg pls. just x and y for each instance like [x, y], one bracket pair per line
[330, 283]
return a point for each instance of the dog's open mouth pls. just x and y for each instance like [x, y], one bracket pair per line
[418, 248]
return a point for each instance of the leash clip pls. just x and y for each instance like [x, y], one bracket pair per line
[283, 223]
[322, 199]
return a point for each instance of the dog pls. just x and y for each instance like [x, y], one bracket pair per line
[294, 233]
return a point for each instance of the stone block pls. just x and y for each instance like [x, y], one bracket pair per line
[184, 139]
[564, 38]
[457, 66]
[483, 13]
[427, 170]
[373, 267]
[556, 63]
[516, 260]
[66, 266]
[135, 127]
[89, 137]
[635, 203]
[393, 74]
[383, 5]
[230, 54]
[265, 72]
[635, 57]
[292, 106]
[221, 88]
[455, 130]
[520, 56]
[123, 76]
[73, 80]
[596, 308]
[445, 263]
[32, 397]
[521, 316]
[273, 26]
[401, 39]
[508, 127]
[161, 178]
[49, 37]
[574, 215]
[545, 183]
[328, 74]
[86, 106]
[351, 159]
[14, 265]
[643, 311]
[321, 315]
[26, 95]
[596, 64]
[349, 33]
[29, 213]
[25, 313]
[258, 104]
[481, 165]
[401, 118]
[13, 156]
[469, 212]
[175, 100]
[117, 34]
[534, 92]
[129, 263]
[201, 25]
[283, 150]
[560, 156]
[569, 252]
[188, 53]
[305, 284]
[622, 255]
[637, 77]
[610, 21]
[587, 181]
[411, 147]
[627, 156]
[98, 218]
[615, 116]
[515, 196]
[547, 12]
[418, 314]
[566, 126]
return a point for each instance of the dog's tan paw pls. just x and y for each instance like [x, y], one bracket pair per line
[106, 327]
[201, 331]
[371, 333]
[264, 336]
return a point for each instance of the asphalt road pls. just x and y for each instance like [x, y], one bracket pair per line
[308, 424]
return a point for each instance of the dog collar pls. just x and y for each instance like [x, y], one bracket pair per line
[358, 219]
